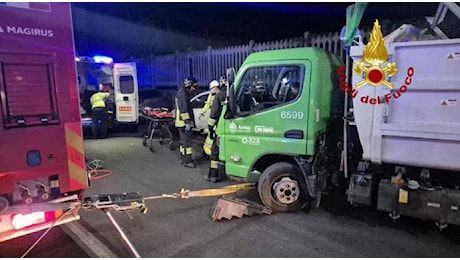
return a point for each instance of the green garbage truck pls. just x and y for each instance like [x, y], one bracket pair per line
[282, 127]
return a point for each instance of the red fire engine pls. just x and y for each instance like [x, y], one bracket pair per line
[41, 144]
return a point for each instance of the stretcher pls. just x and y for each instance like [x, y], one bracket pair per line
[159, 119]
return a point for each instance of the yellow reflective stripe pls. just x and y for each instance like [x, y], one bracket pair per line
[208, 103]
[207, 145]
[188, 150]
[75, 156]
[211, 121]
[73, 139]
[207, 150]
[180, 123]
[185, 116]
[208, 141]
[214, 164]
[182, 150]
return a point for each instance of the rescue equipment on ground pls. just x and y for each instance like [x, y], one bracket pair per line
[125, 202]
[228, 207]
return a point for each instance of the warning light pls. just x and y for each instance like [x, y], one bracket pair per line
[102, 59]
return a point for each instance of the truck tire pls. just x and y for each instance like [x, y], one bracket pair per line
[280, 188]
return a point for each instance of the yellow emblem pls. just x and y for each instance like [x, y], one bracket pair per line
[374, 55]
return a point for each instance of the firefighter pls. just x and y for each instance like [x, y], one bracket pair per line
[216, 110]
[208, 104]
[99, 111]
[207, 146]
[184, 120]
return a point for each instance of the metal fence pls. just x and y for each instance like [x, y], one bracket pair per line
[169, 70]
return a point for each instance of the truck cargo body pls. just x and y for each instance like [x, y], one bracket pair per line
[411, 140]
[41, 145]
[421, 127]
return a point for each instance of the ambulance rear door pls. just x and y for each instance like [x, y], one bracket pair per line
[126, 92]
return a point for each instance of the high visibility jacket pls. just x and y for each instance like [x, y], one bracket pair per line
[209, 102]
[98, 99]
[216, 108]
[184, 112]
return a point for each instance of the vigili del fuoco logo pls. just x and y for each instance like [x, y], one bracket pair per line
[375, 70]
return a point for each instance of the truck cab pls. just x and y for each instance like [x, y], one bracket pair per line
[279, 105]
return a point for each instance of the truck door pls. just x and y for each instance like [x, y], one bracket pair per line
[271, 116]
[126, 92]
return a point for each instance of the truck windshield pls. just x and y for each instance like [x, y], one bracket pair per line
[264, 87]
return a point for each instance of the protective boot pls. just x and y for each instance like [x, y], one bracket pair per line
[212, 175]
[222, 176]
[188, 162]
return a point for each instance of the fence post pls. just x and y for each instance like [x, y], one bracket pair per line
[152, 71]
[251, 46]
[209, 63]
[176, 61]
[306, 39]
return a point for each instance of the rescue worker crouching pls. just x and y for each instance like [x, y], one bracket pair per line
[185, 120]
[99, 112]
[216, 109]
[207, 145]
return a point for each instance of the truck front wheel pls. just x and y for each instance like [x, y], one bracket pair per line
[280, 188]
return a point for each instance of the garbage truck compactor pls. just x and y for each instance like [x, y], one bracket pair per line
[403, 131]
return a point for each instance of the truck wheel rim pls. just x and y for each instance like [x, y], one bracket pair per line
[286, 190]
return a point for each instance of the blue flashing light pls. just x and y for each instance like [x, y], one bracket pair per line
[102, 59]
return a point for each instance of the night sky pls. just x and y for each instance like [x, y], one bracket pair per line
[126, 30]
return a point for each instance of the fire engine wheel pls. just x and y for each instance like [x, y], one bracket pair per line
[280, 188]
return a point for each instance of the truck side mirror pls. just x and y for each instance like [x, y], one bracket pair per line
[231, 75]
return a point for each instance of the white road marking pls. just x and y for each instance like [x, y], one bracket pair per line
[87, 241]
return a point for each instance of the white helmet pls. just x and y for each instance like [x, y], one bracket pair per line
[213, 84]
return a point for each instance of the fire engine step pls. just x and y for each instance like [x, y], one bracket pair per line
[227, 207]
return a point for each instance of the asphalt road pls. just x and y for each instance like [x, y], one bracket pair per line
[183, 228]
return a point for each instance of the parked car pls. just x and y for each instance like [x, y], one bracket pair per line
[198, 101]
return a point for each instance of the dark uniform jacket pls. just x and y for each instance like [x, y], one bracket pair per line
[184, 111]
[216, 108]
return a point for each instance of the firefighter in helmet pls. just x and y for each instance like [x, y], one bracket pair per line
[208, 104]
[207, 146]
[185, 121]
[216, 110]
[99, 112]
